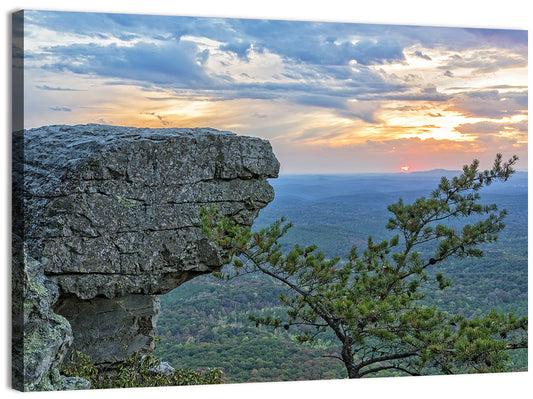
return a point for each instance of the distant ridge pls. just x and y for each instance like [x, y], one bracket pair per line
[433, 172]
[442, 172]
[428, 173]
[370, 174]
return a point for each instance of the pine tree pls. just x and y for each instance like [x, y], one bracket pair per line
[372, 300]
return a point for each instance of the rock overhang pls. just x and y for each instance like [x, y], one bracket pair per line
[115, 210]
[113, 216]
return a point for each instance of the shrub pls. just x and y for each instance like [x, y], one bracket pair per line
[138, 370]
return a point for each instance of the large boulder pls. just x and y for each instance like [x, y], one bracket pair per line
[112, 213]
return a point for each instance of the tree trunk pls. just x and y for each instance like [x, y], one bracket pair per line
[347, 358]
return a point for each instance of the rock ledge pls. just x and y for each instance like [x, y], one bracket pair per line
[112, 214]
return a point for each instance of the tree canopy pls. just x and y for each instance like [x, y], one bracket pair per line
[371, 300]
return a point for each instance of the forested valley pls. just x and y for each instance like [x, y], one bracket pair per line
[204, 323]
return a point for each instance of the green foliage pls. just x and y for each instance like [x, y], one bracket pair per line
[372, 301]
[205, 322]
[138, 370]
[80, 365]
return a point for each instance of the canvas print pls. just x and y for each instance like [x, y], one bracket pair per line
[220, 200]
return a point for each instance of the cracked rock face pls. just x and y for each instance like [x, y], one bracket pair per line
[115, 210]
[112, 212]
[43, 337]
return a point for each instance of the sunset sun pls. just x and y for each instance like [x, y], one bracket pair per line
[405, 168]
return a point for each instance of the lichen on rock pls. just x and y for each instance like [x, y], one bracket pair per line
[46, 336]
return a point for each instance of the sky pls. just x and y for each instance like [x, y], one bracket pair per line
[330, 97]
[477, 13]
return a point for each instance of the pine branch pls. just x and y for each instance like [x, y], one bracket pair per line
[371, 303]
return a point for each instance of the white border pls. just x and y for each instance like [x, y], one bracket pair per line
[508, 14]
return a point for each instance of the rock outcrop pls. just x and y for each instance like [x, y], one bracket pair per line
[112, 214]
[44, 336]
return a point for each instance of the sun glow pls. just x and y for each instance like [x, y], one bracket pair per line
[405, 168]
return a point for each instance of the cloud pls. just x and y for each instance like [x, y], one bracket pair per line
[159, 54]
[319, 43]
[384, 50]
[486, 127]
[46, 87]
[169, 64]
[486, 61]
[320, 101]
[366, 111]
[490, 104]
[502, 37]
[303, 80]
[343, 107]
[159, 117]
[423, 94]
[239, 47]
[389, 155]
[259, 116]
[126, 27]
[419, 54]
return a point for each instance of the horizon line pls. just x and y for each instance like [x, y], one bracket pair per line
[379, 173]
